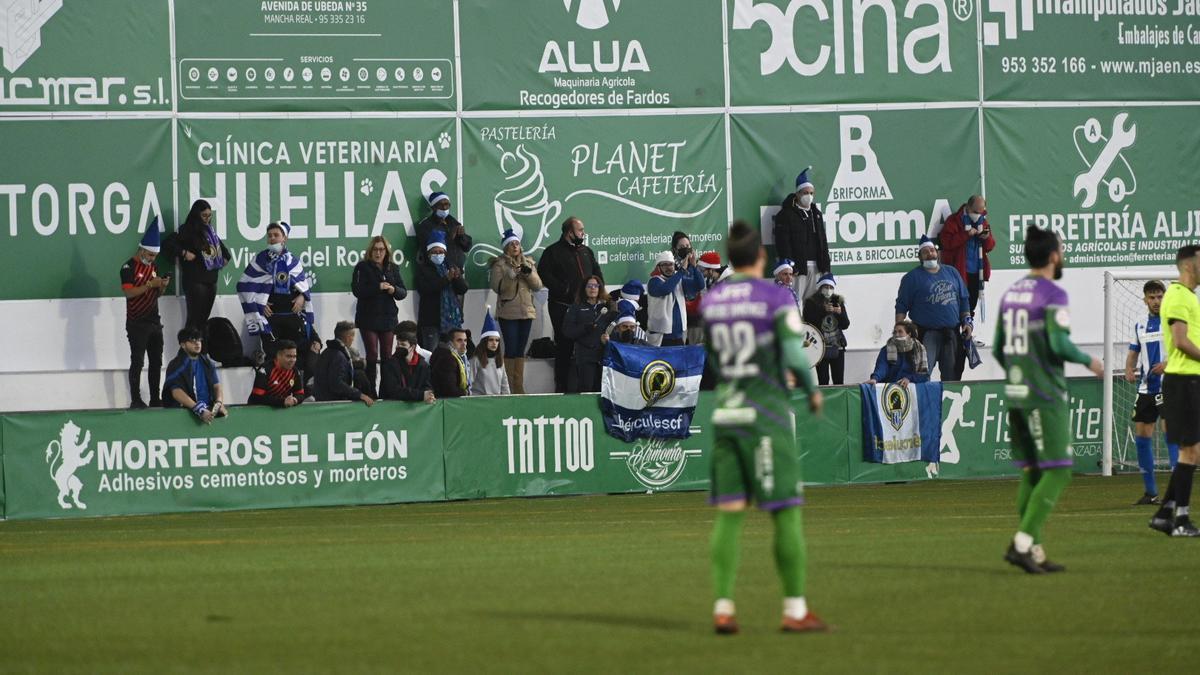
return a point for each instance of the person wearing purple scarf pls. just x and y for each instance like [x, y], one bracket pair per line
[201, 255]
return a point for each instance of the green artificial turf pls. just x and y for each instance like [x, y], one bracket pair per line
[911, 577]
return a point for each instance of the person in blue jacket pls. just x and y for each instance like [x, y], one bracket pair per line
[673, 279]
[902, 359]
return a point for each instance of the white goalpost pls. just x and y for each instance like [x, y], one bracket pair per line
[1124, 306]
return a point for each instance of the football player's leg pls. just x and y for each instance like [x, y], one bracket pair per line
[729, 494]
[790, 551]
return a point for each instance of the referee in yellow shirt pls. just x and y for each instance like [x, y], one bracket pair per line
[1181, 391]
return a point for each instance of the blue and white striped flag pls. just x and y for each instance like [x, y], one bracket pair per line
[650, 392]
[901, 424]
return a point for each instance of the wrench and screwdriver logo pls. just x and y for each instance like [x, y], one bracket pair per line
[1108, 166]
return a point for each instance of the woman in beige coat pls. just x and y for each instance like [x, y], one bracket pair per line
[514, 278]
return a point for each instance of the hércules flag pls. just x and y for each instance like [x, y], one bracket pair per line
[650, 392]
[901, 424]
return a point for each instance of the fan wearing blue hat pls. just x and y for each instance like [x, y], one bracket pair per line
[439, 284]
[934, 297]
[488, 376]
[800, 236]
[143, 326]
[514, 277]
[454, 235]
[275, 290]
[827, 312]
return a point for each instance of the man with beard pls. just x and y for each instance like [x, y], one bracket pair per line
[1033, 341]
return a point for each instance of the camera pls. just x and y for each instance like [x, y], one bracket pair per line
[526, 269]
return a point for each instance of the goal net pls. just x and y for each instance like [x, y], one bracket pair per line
[1124, 307]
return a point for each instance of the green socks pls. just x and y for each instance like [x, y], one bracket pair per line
[725, 551]
[790, 552]
[1029, 478]
[1042, 499]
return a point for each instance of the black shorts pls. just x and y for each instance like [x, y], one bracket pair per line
[1181, 401]
[1147, 408]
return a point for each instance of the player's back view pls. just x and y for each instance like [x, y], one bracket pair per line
[1033, 341]
[753, 335]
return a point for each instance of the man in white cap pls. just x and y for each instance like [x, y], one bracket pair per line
[800, 236]
[785, 275]
[935, 298]
[457, 241]
[666, 311]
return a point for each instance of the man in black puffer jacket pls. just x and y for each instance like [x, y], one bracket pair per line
[800, 237]
[334, 379]
[563, 267]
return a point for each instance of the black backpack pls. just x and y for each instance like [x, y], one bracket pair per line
[542, 348]
[225, 343]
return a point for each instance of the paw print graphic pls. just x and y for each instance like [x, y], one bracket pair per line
[366, 187]
[444, 140]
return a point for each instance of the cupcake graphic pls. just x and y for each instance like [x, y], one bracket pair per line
[522, 204]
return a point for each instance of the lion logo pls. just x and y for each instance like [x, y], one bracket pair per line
[66, 455]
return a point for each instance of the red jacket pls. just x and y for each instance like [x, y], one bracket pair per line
[954, 244]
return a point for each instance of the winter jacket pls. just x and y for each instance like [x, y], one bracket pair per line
[195, 241]
[665, 310]
[447, 373]
[403, 380]
[800, 235]
[181, 374]
[954, 243]
[585, 324]
[901, 368]
[376, 309]
[429, 285]
[456, 247]
[334, 379]
[487, 379]
[564, 268]
[514, 290]
[830, 324]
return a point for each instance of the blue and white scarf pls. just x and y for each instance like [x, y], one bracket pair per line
[271, 273]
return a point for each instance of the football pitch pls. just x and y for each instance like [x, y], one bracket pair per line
[909, 575]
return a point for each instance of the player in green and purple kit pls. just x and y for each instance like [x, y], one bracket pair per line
[753, 335]
[1033, 341]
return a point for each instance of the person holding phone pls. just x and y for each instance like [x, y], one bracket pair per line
[142, 287]
[966, 240]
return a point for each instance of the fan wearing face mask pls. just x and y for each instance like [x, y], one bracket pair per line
[800, 237]
[827, 311]
[966, 240]
[934, 297]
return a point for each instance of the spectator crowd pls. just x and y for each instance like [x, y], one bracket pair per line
[436, 356]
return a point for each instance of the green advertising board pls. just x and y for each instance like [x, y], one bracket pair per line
[520, 446]
[573, 54]
[336, 181]
[881, 178]
[632, 180]
[69, 56]
[1108, 179]
[121, 462]
[975, 434]
[315, 55]
[89, 201]
[786, 52]
[1091, 50]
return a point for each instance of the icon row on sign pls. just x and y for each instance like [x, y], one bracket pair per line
[288, 74]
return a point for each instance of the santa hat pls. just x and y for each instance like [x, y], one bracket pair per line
[827, 280]
[437, 197]
[437, 239]
[926, 241]
[664, 257]
[283, 227]
[508, 237]
[802, 180]
[710, 261]
[151, 240]
[489, 325]
[632, 290]
[626, 316]
[784, 264]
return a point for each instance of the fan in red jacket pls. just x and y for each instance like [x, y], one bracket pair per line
[966, 241]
